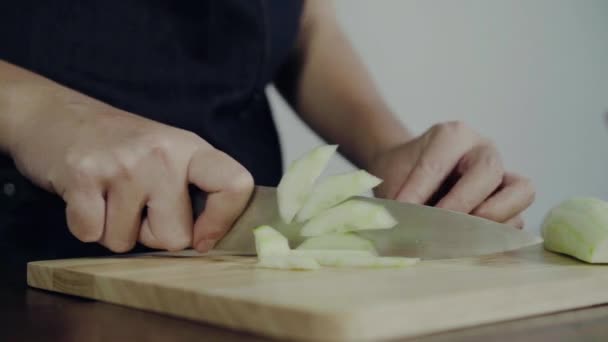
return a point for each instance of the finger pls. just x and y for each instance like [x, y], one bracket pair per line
[229, 187]
[146, 236]
[482, 173]
[169, 218]
[125, 201]
[437, 159]
[516, 195]
[85, 213]
[516, 222]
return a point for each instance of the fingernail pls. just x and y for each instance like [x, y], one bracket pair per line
[205, 245]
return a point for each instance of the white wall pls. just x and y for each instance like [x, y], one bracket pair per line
[533, 75]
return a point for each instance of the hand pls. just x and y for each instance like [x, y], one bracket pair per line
[452, 167]
[125, 178]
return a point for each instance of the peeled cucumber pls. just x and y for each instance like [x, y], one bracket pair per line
[353, 258]
[334, 190]
[296, 184]
[578, 227]
[288, 262]
[324, 256]
[338, 241]
[352, 215]
[373, 262]
[269, 242]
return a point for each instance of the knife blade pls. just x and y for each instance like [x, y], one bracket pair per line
[422, 231]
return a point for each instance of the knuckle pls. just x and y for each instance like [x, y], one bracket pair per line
[83, 232]
[120, 246]
[453, 127]
[193, 138]
[82, 168]
[493, 164]
[241, 181]
[428, 166]
[178, 243]
[89, 234]
[415, 194]
[462, 202]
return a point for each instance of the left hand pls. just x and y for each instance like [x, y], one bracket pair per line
[452, 167]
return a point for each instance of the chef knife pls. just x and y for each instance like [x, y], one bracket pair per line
[422, 231]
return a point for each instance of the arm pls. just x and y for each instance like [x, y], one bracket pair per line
[449, 165]
[109, 165]
[332, 92]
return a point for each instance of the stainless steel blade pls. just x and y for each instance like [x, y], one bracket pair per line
[423, 231]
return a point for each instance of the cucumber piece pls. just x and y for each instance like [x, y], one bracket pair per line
[372, 262]
[578, 227]
[331, 257]
[288, 262]
[336, 189]
[352, 215]
[296, 184]
[338, 241]
[269, 242]
[355, 259]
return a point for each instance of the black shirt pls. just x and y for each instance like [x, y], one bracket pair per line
[197, 65]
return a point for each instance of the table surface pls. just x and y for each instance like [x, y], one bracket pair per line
[29, 314]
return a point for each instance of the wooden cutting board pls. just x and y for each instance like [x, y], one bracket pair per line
[333, 304]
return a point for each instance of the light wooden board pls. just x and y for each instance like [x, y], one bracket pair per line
[334, 304]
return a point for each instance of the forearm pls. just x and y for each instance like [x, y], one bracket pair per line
[332, 92]
[17, 91]
[23, 96]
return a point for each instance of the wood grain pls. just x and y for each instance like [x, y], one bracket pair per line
[334, 304]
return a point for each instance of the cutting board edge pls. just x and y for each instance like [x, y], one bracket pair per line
[43, 276]
[393, 330]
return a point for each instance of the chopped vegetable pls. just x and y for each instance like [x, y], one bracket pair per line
[330, 214]
[334, 190]
[288, 262]
[337, 241]
[321, 254]
[352, 215]
[296, 184]
[578, 227]
[372, 262]
[345, 258]
[269, 242]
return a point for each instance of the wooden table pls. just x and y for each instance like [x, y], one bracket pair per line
[29, 314]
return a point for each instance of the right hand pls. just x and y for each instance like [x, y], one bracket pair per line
[108, 165]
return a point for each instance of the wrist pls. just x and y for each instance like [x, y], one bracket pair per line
[383, 138]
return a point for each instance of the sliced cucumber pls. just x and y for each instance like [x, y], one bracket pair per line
[337, 241]
[578, 227]
[352, 215]
[369, 261]
[288, 262]
[269, 242]
[346, 258]
[296, 184]
[336, 189]
[331, 257]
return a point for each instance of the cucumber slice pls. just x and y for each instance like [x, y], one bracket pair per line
[336, 189]
[346, 258]
[331, 257]
[288, 262]
[269, 242]
[352, 215]
[369, 261]
[578, 227]
[295, 185]
[338, 241]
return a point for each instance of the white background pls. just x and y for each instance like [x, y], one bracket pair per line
[530, 74]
